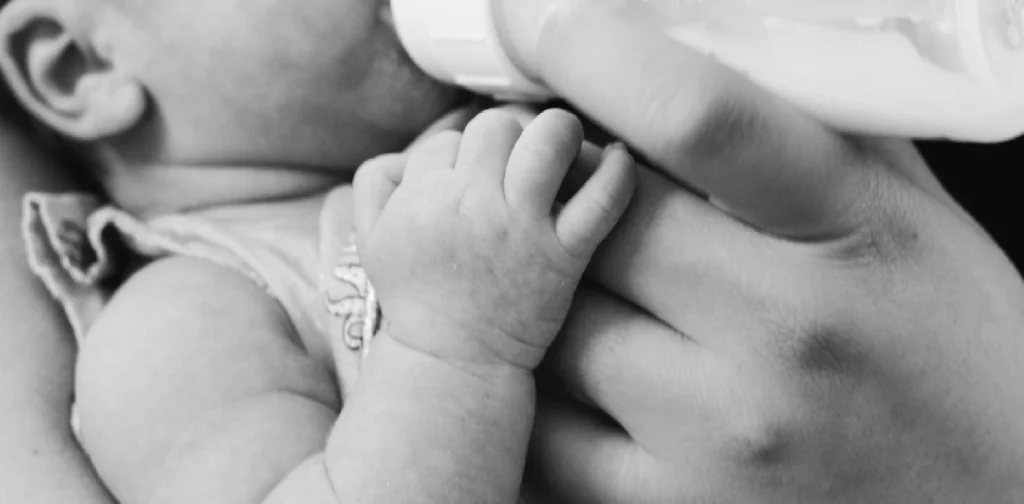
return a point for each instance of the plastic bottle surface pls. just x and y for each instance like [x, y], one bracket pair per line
[918, 68]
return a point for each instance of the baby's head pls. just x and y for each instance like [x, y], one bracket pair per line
[305, 83]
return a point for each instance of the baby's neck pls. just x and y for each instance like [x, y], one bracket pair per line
[152, 190]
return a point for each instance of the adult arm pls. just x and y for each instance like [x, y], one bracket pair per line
[41, 462]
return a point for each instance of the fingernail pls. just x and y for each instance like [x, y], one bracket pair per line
[612, 147]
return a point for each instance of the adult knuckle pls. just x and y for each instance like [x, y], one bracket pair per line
[830, 382]
[798, 459]
[888, 228]
[725, 122]
[888, 238]
[823, 349]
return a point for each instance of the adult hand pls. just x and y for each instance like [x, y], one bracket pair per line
[826, 326]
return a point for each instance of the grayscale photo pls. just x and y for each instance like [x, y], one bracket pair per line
[511, 252]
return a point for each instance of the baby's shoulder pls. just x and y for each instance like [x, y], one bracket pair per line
[185, 294]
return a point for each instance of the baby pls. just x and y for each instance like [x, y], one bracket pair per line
[226, 134]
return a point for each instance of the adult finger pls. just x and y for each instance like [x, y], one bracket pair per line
[580, 458]
[690, 265]
[768, 163]
[684, 261]
[577, 455]
[661, 386]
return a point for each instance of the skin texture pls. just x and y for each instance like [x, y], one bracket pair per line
[231, 409]
[490, 191]
[867, 337]
[181, 102]
[828, 327]
[42, 463]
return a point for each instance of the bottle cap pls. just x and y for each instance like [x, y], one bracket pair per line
[457, 41]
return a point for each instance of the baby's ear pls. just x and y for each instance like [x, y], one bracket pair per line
[60, 78]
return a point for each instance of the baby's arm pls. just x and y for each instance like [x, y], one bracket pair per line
[418, 429]
[475, 267]
[192, 388]
[203, 395]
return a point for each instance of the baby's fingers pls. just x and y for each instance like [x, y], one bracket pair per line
[374, 183]
[592, 213]
[540, 160]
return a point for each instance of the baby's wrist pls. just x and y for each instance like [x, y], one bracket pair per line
[411, 411]
[468, 350]
[456, 335]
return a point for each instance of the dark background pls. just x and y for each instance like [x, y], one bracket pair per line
[984, 179]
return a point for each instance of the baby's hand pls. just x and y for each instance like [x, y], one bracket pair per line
[472, 259]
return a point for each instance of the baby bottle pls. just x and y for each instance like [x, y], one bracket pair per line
[916, 68]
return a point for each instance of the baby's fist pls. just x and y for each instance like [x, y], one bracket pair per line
[473, 260]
